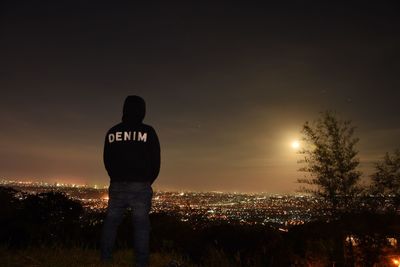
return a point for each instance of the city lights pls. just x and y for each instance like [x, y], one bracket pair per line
[283, 211]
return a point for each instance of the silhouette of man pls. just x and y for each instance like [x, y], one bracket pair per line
[132, 160]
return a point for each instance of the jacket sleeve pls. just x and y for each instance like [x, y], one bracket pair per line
[106, 155]
[154, 156]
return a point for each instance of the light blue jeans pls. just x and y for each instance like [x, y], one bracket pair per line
[137, 196]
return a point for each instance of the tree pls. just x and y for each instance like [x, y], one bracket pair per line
[51, 218]
[386, 179]
[329, 161]
[10, 205]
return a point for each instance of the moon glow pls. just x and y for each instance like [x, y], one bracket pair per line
[295, 144]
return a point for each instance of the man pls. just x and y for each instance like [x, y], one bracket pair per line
[132, 160]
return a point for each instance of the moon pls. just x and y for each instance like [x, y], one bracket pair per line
[295, 144]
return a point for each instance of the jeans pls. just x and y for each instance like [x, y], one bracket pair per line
[137, 196]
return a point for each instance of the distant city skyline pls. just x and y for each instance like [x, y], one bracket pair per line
[228, 86]
[201, 208]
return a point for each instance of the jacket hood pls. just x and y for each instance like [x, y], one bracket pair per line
[134, 109]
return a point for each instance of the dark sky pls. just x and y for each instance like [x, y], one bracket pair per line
[228, 86]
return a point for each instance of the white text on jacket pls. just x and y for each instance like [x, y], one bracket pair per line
[127, 136]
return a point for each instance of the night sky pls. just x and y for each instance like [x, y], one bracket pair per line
[228, 86]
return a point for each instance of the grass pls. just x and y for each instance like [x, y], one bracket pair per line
[63, 257]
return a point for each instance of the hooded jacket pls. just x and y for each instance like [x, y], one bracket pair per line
[132, 148]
